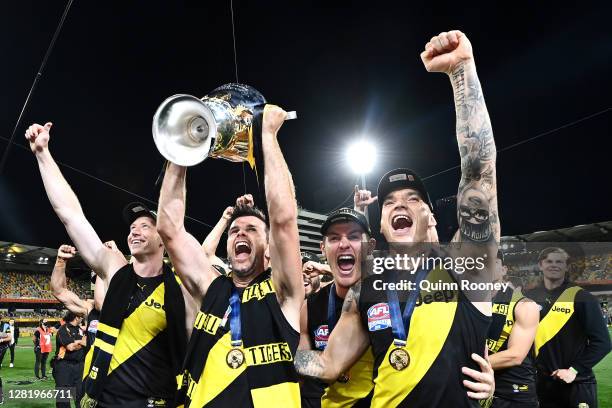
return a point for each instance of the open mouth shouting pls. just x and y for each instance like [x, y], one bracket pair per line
[401, 224]
[242, 249]
[346, 263]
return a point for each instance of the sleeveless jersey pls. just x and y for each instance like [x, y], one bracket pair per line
[356, 392]
[266, 377]
[445, 330]
[140, 367]
[513, 383]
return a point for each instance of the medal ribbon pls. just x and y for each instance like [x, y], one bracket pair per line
[235, 326]
[400, 323]
[331, 309]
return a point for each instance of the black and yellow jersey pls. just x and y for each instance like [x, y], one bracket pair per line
[571, 331]
[514, 383]
[140, 367]
[266, 376]
[355, 386]
[445, 329]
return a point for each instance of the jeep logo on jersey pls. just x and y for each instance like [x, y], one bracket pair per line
[379, 317]
[321, 335]
[152, 303]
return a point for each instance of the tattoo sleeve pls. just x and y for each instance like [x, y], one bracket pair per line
[308, 363]
[477, 194]
[351, 301]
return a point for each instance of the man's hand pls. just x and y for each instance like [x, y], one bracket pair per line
[362, 198]
[445, 51]
[65, 252]
[227, 213]
[273, 119]
[313, 269]
[38, 136]
[244, 200]
[484, 387]
[564, 374]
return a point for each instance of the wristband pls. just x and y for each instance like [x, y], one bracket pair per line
[573, 370]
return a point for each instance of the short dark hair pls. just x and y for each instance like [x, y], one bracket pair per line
[247, 211]
[69, 316]
[552, 250]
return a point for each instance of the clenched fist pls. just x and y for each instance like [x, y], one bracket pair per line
[38, 136]
[445, 51]
[66, 252]
[273, 118]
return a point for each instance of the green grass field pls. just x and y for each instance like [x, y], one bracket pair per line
[22, 377]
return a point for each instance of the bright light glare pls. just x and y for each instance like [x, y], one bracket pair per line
[361, 156]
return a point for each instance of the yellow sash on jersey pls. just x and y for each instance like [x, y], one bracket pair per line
[359, 385]
[498, 308]
[555, 319]
[217, 376]
[429, 329]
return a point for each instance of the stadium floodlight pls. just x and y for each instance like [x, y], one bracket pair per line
[361, 156]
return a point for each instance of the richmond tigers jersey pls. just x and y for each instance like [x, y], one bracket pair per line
[266, 376]
[444, 331]
[514, 383]
[355, 387]
[140, 366]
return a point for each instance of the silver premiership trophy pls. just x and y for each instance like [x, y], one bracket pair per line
[225, 124]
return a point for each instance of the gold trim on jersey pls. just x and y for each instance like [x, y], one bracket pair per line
[508, 311]
[558, 315]
[429, 329]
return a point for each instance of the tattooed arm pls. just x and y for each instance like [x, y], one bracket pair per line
[477, 195]
[347, 342]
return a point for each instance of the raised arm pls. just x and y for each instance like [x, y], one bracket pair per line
[361, 199]
[527, 317]
[347, 342]
[212, 239]
[285, 256]
[477, 194]
[67, 206]
[191, 263]
[59, 287]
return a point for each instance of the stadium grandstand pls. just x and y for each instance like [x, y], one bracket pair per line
[25, 270]
[589, 247]
[25, 295]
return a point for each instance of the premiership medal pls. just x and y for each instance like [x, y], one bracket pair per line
[234, 358]
[399, 359]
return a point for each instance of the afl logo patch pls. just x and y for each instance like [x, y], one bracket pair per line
[93, 326]
[379, 317]
[321, 335]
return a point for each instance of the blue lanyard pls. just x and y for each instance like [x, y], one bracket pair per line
[400, 323]
[235, 326]
[331, 309]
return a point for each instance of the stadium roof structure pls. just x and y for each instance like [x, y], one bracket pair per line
[597, 232]
[19, 257]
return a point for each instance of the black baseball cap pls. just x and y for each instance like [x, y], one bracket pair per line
[399, 179]
[133, 211]
[346, 215]
[309, 256]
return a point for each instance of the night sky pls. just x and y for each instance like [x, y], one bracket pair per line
[347, 68]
